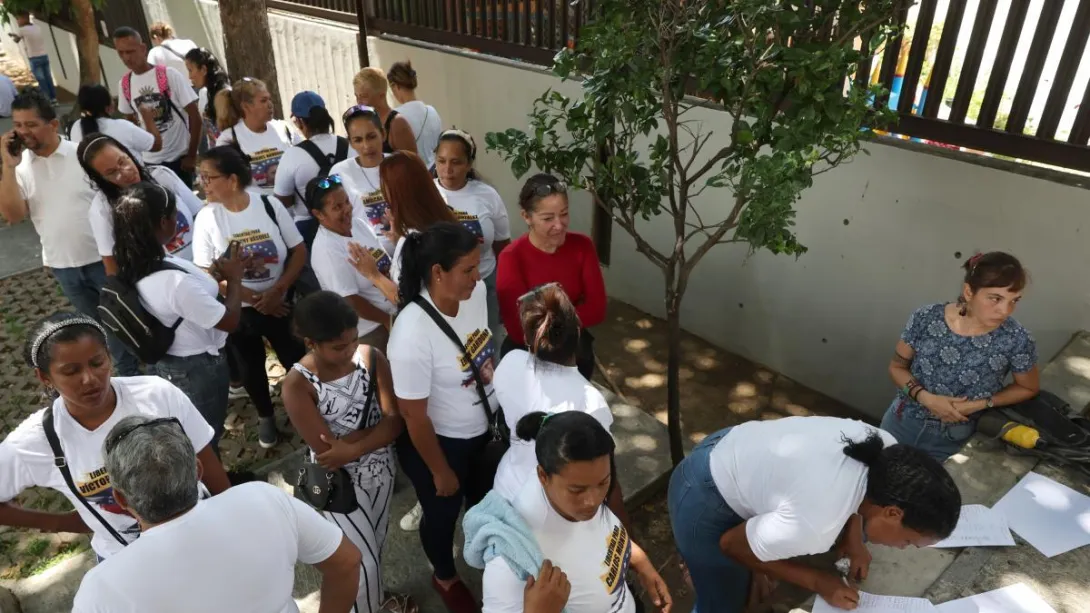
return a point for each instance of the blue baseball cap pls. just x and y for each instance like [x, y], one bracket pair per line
[303, 102]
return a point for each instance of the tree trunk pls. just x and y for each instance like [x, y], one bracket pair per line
[673, 377]
[83, 14]
[248, 44]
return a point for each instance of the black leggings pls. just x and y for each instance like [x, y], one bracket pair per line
[467, 458]
[247, 346]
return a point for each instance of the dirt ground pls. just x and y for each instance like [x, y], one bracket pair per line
[719, 389]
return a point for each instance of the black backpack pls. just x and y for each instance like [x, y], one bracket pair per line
[325, 161]
[120, 310]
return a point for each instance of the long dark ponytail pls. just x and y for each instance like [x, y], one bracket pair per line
[215, 80]
[94, 104]
[443, 244]
[138, 214]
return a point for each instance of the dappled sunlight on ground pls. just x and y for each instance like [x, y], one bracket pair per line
[718, 388]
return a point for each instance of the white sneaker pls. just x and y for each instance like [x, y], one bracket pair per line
[411, 521]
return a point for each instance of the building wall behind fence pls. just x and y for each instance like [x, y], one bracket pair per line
[883, 231]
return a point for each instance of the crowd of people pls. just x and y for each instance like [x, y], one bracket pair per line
[417, 336]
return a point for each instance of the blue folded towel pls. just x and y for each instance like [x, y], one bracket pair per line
[493, 528]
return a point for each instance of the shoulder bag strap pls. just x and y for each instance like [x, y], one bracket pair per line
[453, 336]
[62, 466]
[372, 384]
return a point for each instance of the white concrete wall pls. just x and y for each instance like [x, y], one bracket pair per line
[882, 231]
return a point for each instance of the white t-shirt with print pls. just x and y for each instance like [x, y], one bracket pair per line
[791, 480]
[481, 210]
[365, 191]
[329, 259]
[188, 205]
[426, 126]
[594, 554]
[26, 460]
[524, 385]
[265, 241]
[297, 168]
[173, 129]
[425, 363]
[136, 139]
[265, 149]
[171, 53]
[256, 532]
[192, 297]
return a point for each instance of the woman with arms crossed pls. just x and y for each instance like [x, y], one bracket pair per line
[952, 360]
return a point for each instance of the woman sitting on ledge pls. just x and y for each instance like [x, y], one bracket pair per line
[952, 359]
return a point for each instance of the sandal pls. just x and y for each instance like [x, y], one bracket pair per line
[399, 603]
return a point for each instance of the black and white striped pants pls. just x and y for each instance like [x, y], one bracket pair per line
[366, 528]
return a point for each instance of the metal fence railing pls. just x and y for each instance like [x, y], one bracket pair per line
[1003, 77]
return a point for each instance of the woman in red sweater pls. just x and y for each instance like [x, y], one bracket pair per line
[549, 253]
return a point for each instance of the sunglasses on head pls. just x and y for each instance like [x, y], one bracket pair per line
[359, 109]
[115, 441]
[547, 189]
[333, 180]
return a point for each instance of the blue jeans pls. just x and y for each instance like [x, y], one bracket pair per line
[916, 427]
[699, 517]
[39, 66]
[81, 285]
[204, 380]
[495, 324]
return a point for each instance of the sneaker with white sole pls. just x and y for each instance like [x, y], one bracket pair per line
[267, 434]
[411, 521]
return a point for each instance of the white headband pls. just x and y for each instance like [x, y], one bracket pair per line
[54, 327]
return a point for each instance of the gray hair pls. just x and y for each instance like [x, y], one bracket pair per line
[155, 468]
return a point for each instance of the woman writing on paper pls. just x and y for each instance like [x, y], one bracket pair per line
[752, 497]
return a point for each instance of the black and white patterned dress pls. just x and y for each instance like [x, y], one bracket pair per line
[341, 405]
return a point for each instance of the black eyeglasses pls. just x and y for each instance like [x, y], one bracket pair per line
[116, 440]
[331, 181]
[548, 189]
[359, 109]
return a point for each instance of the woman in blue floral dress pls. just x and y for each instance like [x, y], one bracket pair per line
[952, 360]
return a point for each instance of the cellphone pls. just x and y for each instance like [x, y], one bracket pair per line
[15, 145]
[232, 247]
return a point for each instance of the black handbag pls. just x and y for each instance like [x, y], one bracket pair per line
[500, 440]
[333, 490]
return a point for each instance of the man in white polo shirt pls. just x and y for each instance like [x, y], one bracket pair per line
[45, 182]
[233, 552]
[169, 95]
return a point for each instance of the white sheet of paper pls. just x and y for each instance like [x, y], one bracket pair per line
[979, 526]
[873, 603]
[1049, 515]
[1017, 598]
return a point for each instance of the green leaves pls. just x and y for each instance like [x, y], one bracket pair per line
[780, 70]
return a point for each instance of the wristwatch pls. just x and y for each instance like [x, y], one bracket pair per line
[990, 404]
